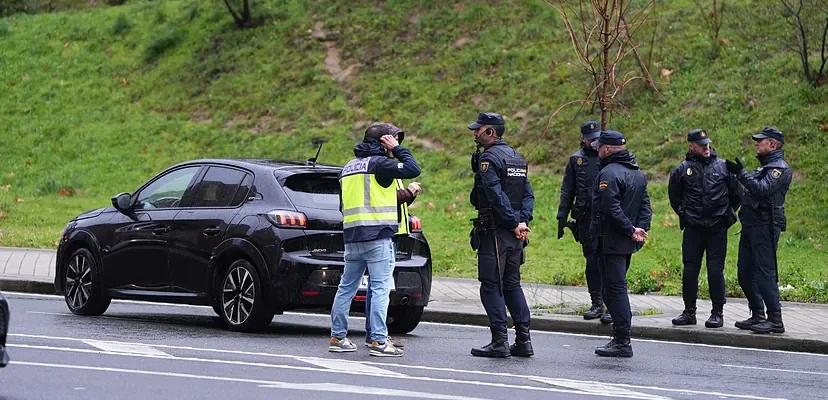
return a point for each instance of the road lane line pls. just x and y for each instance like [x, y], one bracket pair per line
[344, 365]
[793, 371]
[582, 335]
[352, 371]
[316, 387]
[126, 348]
[597, 388]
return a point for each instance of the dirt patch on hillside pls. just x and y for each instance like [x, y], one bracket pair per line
[426, 142]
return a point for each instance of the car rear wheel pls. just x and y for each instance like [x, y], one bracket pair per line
[242, 304]
[83, 292]
[404, 319]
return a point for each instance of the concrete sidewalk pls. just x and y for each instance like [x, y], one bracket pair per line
[553, 308]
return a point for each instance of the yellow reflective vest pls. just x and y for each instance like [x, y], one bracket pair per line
[367, 206]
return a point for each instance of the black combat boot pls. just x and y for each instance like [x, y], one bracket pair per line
[523, 343]
[619, 346]
[756, 317]
[498, 348]
[687, 317]
[716, 319]
[606, 318]
[771, 325]
[597, 308]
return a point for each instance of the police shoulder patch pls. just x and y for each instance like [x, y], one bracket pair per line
[484, 166]
[580, 160]
[776, 173]
[689, 171]
[603, 185]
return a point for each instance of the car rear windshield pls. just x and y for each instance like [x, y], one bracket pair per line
[318, 190]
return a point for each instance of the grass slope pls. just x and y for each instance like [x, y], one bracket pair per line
[95, 101]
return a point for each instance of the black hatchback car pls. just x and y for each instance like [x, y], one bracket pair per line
[251, 238]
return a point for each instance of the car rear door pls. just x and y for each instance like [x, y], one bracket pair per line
[201, 225]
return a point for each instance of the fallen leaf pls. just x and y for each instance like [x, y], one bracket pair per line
[7, 187]
[2, 215]
[18, 200]
[64, 192]
[666, 223]
[10, 175]
[724, 42]
[795, 81]
[543, 218]
[28, 163]
[78, 191]
[666, 72]
[66, 45]
[24, 78]
[823, 127]
[430, 205]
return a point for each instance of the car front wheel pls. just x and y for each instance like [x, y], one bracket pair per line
[83, 292]
[242, 305]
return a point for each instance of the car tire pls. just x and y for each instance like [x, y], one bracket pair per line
[242, 305]
[81, 280]
[404, 319]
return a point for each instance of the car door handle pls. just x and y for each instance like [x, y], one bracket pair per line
[213, 230]
[161, 230]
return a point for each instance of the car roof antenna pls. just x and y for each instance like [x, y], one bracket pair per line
[317, 141]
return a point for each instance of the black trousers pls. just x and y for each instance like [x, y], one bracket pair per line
[697, 242]
[509, 250]
[613, 269]
[757, 266]
[593, 275]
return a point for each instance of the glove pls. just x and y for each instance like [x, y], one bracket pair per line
[734, 167]
[475, 161]
[561, 226]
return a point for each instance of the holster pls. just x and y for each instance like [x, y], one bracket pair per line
[482, 223]
[573, 226]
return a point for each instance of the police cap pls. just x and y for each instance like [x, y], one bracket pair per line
[590, 130]
[611, 138]
[487, 118]
[769, 133]
[698, 136]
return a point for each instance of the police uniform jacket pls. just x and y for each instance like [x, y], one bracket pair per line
[501, 185]
[703, 193]
[620, 203]
[765, 191]
[576, 188]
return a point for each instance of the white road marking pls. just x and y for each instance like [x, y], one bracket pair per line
[129, 348]
[317, 387]
[151, 303]
[793, 371]
[344, 365]
[356, 372]
[602, 389]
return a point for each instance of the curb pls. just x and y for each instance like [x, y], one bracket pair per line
[26, 286]
[691, 335]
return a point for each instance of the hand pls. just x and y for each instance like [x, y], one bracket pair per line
[522, 231]
[415, 188]
[734, 167]
[475, 161]
[389, 142]
[640, 235]
[561, 226]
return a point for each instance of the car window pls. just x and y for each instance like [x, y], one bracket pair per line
[166, 191]
[219, 187]
[317, 190]
[244, 189]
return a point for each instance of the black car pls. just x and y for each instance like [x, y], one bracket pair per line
[251, 238]
[4, 329]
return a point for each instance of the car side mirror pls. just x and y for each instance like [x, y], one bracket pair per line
[121, 201]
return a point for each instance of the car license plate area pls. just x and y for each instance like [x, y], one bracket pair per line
[363, 284]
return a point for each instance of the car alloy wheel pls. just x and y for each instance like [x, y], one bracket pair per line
[78, 281]
[238, 295]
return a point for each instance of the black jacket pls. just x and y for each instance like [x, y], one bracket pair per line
[620, 203]
[576, 187]
[765, 191]
[703, 193]
[502, 186]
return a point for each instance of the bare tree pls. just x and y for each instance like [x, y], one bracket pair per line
[810, 20]
[242, 17]
[601, 32]
[713, 18]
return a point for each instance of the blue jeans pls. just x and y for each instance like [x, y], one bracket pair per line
[368, 297]
[377, 256]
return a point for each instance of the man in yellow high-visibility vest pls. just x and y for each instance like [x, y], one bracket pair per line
[370, 221]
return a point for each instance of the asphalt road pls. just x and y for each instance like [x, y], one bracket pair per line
[147, 350]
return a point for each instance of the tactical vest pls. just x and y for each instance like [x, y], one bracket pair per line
[367, 206]
[513, 170]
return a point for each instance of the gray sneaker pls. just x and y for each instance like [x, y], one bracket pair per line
[341, 345]
[399, 345]
[386, 349]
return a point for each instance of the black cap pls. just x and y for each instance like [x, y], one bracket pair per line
[487, 118]
[590, 130]
[612, 138]
[769, 133]
[378, 130]
[698, 136]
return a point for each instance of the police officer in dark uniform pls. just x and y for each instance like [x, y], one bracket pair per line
[576, 197]
[621, 217]
[504, 200]
[763, 219]
[705, 197]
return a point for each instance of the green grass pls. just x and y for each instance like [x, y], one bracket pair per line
[97, 100]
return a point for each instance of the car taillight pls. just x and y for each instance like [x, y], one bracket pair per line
[416, 224]
[287, 219]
